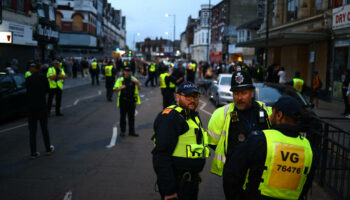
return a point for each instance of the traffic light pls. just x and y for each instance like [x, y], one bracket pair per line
[130, 53]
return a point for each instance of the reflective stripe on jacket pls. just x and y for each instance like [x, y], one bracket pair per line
[288, 162]
[218, 130]
[119, 83]
[162, 81]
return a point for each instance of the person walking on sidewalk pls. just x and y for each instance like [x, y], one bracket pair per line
[128, 88]
[94, 72]
[344, 90]
[37, 87]
[316, 85]
[56, 76]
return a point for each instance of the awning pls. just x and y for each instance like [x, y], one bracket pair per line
[284, 39]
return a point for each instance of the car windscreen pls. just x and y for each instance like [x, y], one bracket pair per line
[269, 95]
[225, 81]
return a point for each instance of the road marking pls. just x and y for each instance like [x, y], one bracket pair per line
[68, 196]
[9, 129]
[142, 95]
[76, 102]
[202, 108]
[136, 113]
[114, 138]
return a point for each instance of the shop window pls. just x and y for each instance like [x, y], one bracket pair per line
[77, 23]
[292, 10]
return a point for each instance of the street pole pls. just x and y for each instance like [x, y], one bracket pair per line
[209, 23]
[174, 36]
[267, 33]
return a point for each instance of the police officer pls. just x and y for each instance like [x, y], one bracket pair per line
[151, 74]
[232, 124]
[180, 146]
[167, 87]
[56, 76]
[110, 73]
[298, 83]
[128, 88]
[272, 164]
[94, 72]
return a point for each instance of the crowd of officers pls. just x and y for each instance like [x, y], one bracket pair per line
[257, 149]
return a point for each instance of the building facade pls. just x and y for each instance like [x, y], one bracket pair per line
[150, 49]
[200, 46]
[217, 25]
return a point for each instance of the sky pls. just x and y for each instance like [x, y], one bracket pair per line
[147, 17]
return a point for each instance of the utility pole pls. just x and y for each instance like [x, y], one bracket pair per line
[209, 24]
[267, 32]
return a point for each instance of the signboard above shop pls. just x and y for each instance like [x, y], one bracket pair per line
[341, 17]
[6, 37]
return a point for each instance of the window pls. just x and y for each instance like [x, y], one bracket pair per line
[7, 3]
[249, 36]
[51, 14]
[20, 81]
[20, 5]
[292, 10]
[77, 22]
[203, 38]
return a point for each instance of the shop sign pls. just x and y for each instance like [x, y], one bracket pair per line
[6, 37]
[21, 34]
[47, 32]
[341, 17]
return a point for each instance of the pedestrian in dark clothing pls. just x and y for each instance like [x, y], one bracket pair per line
[191, 71]
[110, 73]
[344, 90]
[75, 68]
[179, 74]
[132, 65]
[37, 88]
[272, 164]
[270, 70]
[84, 64]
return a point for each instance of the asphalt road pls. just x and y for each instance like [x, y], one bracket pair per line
[87, 164]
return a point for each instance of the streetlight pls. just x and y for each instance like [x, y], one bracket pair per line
[167, 15]
[138, 34]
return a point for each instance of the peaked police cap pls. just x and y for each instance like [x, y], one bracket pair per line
[241, 80]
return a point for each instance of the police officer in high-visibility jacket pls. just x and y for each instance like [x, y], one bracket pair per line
[272, 164]
[232, 124]
[151, 74]
[56, 76]
[167, 87]
[180, 146]
[94, 72]
[110, 73]
[128, 88]
[298, 83]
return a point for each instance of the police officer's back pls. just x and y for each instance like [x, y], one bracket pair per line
[272, 164]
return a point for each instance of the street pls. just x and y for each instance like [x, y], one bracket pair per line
[85, 164]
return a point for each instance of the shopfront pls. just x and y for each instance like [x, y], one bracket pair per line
[341, 28]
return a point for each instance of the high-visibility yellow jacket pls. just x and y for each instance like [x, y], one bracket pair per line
[119, 83]
[55, 83]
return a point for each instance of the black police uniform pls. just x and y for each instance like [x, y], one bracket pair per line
[127, 106]
[37, 87]
[251, 155]
[94, 73]
[170, 170]
[110, 83]
[168, 93]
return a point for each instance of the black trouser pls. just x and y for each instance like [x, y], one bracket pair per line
[188, 187]
[151, 77]
[127, 107]
[168, 97]
[94, 76]
[58, 93]
[109, 88]
[33, 117]
[346, 103]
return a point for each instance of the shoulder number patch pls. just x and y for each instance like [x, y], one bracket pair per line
[166, 111]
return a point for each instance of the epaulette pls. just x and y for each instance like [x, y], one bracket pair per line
[257, 132]
[166, 111]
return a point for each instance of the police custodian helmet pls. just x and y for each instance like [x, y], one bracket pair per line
[241, 80]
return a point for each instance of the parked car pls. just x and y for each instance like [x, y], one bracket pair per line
[265, 92]
[12, 95]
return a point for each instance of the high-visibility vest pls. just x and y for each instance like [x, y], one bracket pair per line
[27, 74]
[119, 83]
[152, 67]
[55, 83]
[94, 65]
[162, 81]
[298, 84]
[218, 129]
[288, 162]
[108, 70]
[125, 64]
[187, 145]
[194, 67]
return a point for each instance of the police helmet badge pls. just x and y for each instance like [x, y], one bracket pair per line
[239, 78]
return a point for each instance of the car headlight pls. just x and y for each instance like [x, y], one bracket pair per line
[228, 94]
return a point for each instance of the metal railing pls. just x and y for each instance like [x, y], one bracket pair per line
[332, 146]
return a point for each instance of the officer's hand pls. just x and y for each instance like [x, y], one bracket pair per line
[171, 197]
[122, 87]
[134, 80]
